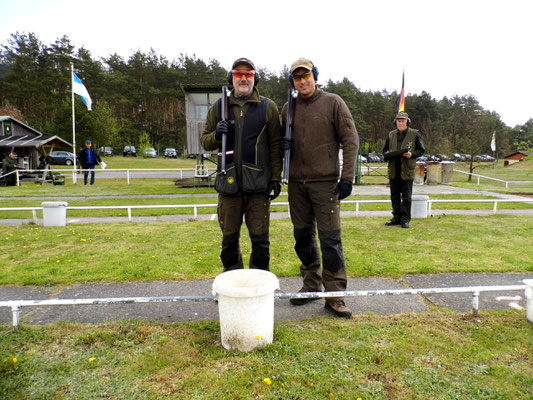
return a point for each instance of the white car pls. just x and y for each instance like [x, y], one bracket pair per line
[150, 152]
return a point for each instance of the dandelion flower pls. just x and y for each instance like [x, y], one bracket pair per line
[83, 240]
[258, 337]
[267, 381]
[14, 360]
[92, 359]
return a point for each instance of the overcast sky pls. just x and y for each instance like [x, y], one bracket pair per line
[482, 48]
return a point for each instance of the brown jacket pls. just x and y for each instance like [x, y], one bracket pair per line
[321, 124]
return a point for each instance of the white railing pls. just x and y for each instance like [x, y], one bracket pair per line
[127, 171]
[492, 179]
[196, 207]
[16, 305]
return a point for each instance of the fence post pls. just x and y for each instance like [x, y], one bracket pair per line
[128, 175]
[129, 214]
[357, 209]
[475, 303]
[478, 180]
[15, 309]
[495, 207]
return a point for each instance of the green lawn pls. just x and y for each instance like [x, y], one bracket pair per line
[33, 254]
[438, 355]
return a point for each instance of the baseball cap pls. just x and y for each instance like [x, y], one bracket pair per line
[243, 61]
[88, 142]
[302, 63]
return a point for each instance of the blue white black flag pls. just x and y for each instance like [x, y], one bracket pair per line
[80, 89]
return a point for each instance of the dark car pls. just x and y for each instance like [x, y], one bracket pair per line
[129, 151]
[62, 158]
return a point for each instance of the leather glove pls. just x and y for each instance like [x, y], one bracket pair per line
[286, 144]
[222, 128]
[274, 189]
[343, 189]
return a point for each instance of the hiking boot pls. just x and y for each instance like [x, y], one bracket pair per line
[300, 301]
[338, 307]
[392, 222]
[405, 225]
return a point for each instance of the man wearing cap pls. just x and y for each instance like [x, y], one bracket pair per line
[322, 123]
[9, 164]
[402, 147]
[88, 158]
[253, 165]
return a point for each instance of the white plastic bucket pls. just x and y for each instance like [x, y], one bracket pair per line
[447, 172]
[419, 206]
[246, 308]
[54, 213]
[529, 298]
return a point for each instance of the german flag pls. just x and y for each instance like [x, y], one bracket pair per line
[400, 104]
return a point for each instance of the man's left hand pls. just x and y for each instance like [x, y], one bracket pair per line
[408, 154]
[274, 189]
[343, 189]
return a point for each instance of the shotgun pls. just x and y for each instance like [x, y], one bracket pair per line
[224, 115]
[291, 103]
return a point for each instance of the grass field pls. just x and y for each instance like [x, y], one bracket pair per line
[33, 254]
[434, 355]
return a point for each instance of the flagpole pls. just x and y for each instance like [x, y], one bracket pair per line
[74, 173]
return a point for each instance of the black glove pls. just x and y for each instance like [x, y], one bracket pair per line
[274, 188]
[343, 189]
[222, 128]
[286, 144]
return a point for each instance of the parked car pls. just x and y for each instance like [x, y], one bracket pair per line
[106, 151]
[458, 157]
[440, 157]
[62, 158]
[150, 152]
[170, 152]
[483, 158]
[129, 151]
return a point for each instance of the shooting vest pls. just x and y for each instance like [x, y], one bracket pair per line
[408, 165]
[247, 150]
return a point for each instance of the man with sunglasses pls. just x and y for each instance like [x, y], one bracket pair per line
[322, 123]
[253, 165]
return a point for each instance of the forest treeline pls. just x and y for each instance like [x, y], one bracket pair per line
[141, 96]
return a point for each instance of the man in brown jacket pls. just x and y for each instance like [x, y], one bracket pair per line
[322, 123]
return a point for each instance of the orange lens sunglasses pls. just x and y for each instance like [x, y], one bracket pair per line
[306, 76]
[239, 73]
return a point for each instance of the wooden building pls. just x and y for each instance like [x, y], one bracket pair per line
[198, 100]
[514, 158]
[27, 143]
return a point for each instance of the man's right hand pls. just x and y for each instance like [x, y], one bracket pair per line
[286, 144]
[221, 129]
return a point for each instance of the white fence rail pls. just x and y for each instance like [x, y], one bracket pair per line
[492, 179]
[127, 172]
[196, 207]
[16, 305]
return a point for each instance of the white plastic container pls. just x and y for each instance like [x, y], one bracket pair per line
[419, 206]
[246, 308]
[54, 213]
[529, 298]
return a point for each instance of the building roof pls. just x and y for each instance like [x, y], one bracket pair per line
[33, 141]
[516, 153]
[34, 138]
[7, 118]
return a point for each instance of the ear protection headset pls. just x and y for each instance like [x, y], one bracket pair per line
[257, 78]
[315, 75]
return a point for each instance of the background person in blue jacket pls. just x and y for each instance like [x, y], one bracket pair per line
[88, 159]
